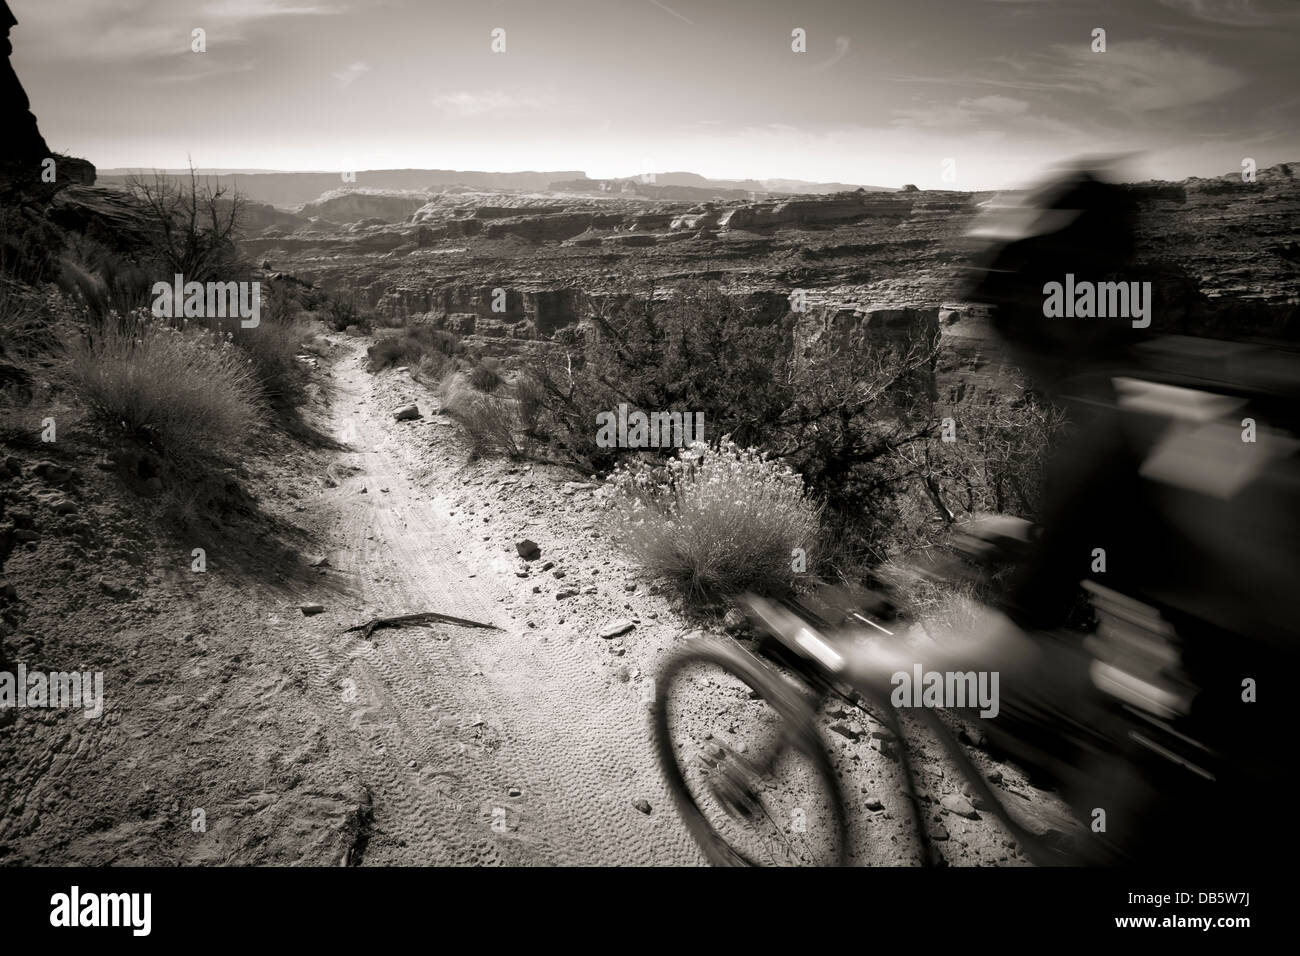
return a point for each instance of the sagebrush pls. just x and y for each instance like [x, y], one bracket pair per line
[717, 519]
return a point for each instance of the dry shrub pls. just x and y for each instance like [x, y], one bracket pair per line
[716, 520]
[273, 348]
[485, 376]
[430, 368]
[179, 391]
[408, 346]
[490, 422]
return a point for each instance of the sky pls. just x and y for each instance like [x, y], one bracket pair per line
[886, 92]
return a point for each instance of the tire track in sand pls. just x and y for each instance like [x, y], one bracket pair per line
[450, 721]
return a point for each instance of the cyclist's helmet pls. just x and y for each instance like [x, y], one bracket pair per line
[1077, 224]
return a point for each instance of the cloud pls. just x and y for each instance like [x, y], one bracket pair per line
[349, 73]
[996, 104]
[1238, 13]
[1140, 77]
[841, 50]
[260, 9]
[1133, 77]
[464, 103]
[668, 9]
[144, 30]
[993, 116]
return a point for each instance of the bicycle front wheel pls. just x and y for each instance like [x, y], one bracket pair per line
[739, 748]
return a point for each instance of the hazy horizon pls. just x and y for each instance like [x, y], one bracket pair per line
[883, 95]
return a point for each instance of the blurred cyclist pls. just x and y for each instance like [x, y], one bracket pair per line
[1183, 531]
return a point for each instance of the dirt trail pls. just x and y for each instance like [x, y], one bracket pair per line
[450, 721]
[238, 731]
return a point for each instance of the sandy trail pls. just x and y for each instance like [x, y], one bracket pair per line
[299, 742]
[450, 721]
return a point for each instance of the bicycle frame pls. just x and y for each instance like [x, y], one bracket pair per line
[795, 642]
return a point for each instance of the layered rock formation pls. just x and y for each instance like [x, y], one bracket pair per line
[800, 212]
[23, 143]
[353, 205]
[871, 268]
[23, 150]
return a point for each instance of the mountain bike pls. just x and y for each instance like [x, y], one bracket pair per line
[737, 738]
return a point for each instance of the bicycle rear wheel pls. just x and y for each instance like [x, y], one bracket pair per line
[739, 748]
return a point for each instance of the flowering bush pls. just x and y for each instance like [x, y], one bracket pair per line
[716, 519]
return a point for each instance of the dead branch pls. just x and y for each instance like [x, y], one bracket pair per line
[423, 618]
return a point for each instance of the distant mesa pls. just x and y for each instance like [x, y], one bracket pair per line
[356, 205]
[295, 190]
[292, 190]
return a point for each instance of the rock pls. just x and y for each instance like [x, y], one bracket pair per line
[548, 565]
[565, 595]
[310, 610]
[65, 508]
[629, 586]
[528, 549]
[995, 776]
[406, 413]
[23, 143]
[847, 730]
[940, 832]
[25, 535]
[514, 792]
[873, 803]
[8, 591]
[320, 562]
[114, 588]
[22, 519]
[974, 738]
[558, 573]
[615, 629]
[54, 473]
[642, 805]
[959, 805]
[886, 748]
